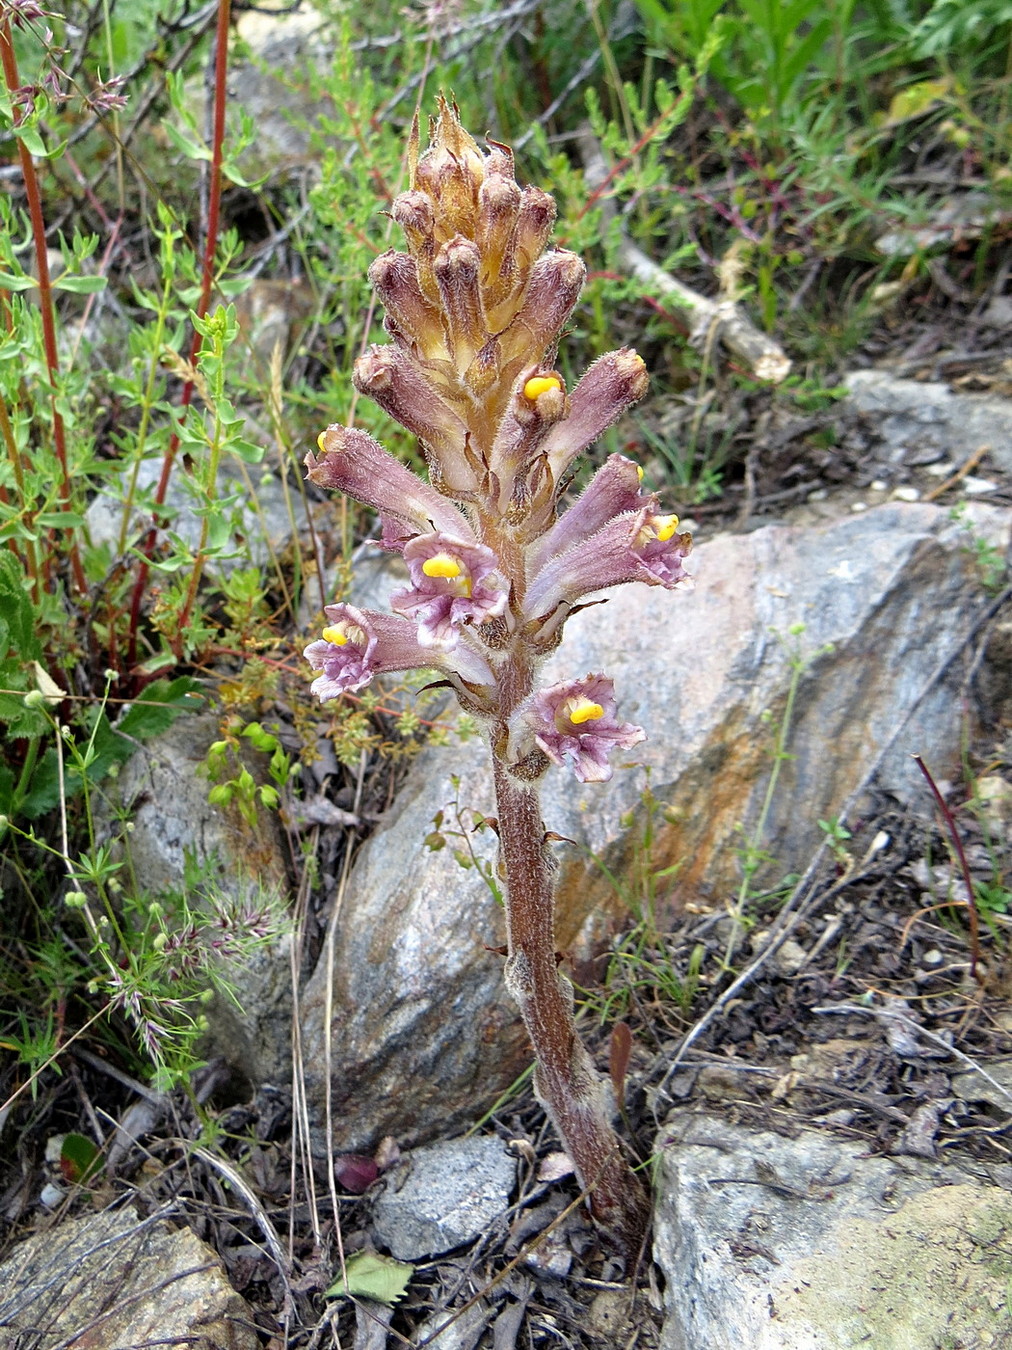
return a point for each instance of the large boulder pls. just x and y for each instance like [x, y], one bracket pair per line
[421, 1033]
[809, 1243]
[110, 1280]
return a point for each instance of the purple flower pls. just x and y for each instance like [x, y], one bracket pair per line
[360, 643]
[613, 491]
[356, 464]
[107, 96]
[454, 582]
[611, 385]
[574, 722]
[636, 546]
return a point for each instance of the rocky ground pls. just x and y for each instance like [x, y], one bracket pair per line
[836, 1061]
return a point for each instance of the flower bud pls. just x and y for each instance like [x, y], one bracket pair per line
[413, 212]
[498, 208]
[411, 319]
[395, 381]
[612, 384]
[456, 270]
[451, 172]
[534, 226]
[552, 293]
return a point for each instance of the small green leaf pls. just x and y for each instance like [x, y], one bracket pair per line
[28, 133]
[370, 1275]
[79, 1158]
[60, 520]
[184, 144]
[86, 285]
[12, 283]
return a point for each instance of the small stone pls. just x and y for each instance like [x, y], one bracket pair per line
[978, 487]
[932, 959]
[906, 494]
[443, 1196]
[857, 507]
[941, 469]
[843, 1116]
[996, 1089]
[790, 957]
[994, 804]
[718, 1084]
[879, 485]
[608, 1317]
[552, 1256]
[819, 495]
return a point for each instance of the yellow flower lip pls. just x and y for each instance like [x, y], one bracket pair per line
[442, 565]
[335, 634]
[541, 384]
[582, 710]
[319, 441]
[664, 527]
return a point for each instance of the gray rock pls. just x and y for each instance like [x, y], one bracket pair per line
[443, 1195]
[165, 793]
[449, 1330]
[995, 1089]
[925, 421]
[261, 524]
[109, 1281]
[809, 1244]
[424, 1036]
[274, 85]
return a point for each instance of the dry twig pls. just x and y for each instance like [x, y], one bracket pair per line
[708, 320]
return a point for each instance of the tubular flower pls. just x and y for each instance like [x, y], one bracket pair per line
[574, 723]
[352, 462]
[453, 582]
[613, 491]
[611, 385]
[637, 546]
[360, 643]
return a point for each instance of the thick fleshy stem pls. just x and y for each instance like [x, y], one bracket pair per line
[565, 1079]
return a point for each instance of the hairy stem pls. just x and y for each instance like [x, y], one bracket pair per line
[565, 1079]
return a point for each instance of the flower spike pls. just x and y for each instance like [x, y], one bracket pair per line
[475, 308]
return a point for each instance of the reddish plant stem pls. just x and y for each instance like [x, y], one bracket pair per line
[957, 843]
[34, 197]
[203, 303]
[565, 1078]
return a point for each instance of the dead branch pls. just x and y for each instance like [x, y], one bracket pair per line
[707, 319]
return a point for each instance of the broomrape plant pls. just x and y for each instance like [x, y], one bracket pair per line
[475, 309]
